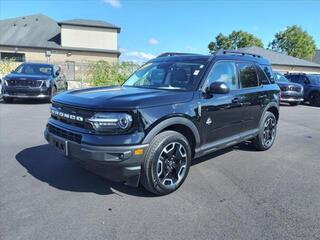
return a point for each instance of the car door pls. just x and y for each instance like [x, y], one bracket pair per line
[221, 113]
[253, 95]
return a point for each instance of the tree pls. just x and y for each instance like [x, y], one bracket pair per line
[295, 42]
[235, 40]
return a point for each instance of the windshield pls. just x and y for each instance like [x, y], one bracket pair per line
[35, 69]
[167, 75]
[280, 78]
[315, 79]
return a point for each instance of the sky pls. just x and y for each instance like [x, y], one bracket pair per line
[151, 27]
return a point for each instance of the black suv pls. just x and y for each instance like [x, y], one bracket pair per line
[291, 92]
[170, 111]
[311, 85]
[33, 80]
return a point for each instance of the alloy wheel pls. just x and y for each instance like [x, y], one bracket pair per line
[269, 132]
[172, 164]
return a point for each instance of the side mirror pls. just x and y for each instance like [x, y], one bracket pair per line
[218, 87]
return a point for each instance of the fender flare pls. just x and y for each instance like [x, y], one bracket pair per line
[269, 105]
[169, 122]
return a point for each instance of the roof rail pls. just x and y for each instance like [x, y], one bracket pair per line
[223, 52]
[169, 54]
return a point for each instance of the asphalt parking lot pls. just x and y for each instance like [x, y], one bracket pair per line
[237, 193]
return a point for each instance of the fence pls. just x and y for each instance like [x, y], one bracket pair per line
[85, 74]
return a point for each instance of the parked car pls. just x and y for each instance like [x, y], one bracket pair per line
[33, 80]
[170, 111]
[291, 92]
[311, 85]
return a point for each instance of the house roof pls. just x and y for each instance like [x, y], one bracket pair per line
[89, 23]
[317, 57]
[277, 58]
[36, 31]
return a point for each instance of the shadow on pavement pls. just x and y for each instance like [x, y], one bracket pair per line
[26, 101]
[45, 164]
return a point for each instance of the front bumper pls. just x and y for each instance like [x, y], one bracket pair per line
[117, 163]
[291, 97]
[26, 92]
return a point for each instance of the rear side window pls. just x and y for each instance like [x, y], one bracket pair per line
[268, 71]
[263, 79]
[248, 75]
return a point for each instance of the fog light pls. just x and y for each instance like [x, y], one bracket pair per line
[138, 151]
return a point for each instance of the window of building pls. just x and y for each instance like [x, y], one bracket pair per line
[17, 57]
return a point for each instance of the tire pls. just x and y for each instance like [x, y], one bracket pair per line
[315, 99]
[267, 132]
[8, 100]
[294, 103]
[166, 164]
[66, 87]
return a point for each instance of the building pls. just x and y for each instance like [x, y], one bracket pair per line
[39, 38]
[283, 63]
[317, 57]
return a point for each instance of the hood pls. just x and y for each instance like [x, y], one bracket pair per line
[121, 97]
[17, 76]
[288, 84]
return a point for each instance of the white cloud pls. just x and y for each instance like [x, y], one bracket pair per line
[153, 41]
[113, 3]
[135, 56]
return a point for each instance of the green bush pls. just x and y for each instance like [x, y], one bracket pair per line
[102, 73]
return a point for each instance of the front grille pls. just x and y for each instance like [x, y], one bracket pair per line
[85, 114]
[295, 89]
[284, 88]
[64, 134]
[24, 83]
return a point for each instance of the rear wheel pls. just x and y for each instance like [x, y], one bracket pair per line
[8, 100]
[267, 133]
[315, 99]
[167, 163]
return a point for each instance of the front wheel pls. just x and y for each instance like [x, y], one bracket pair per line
[8, 99]
[315, 99]
[167, 163]
[267, 132]
[53, 92]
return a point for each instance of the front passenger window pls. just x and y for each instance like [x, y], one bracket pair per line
[224, 72]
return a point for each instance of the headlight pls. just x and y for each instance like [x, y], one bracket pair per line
[109, 121]
[47, 83]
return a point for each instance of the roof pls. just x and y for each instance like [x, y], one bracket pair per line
[89, 23]
[181, 58]
[277, 58]
[317, 57]
[36, 31]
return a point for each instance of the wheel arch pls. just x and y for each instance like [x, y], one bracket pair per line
[273, 108]
[179, 124]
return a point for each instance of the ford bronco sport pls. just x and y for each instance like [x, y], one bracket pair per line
[173, 109]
